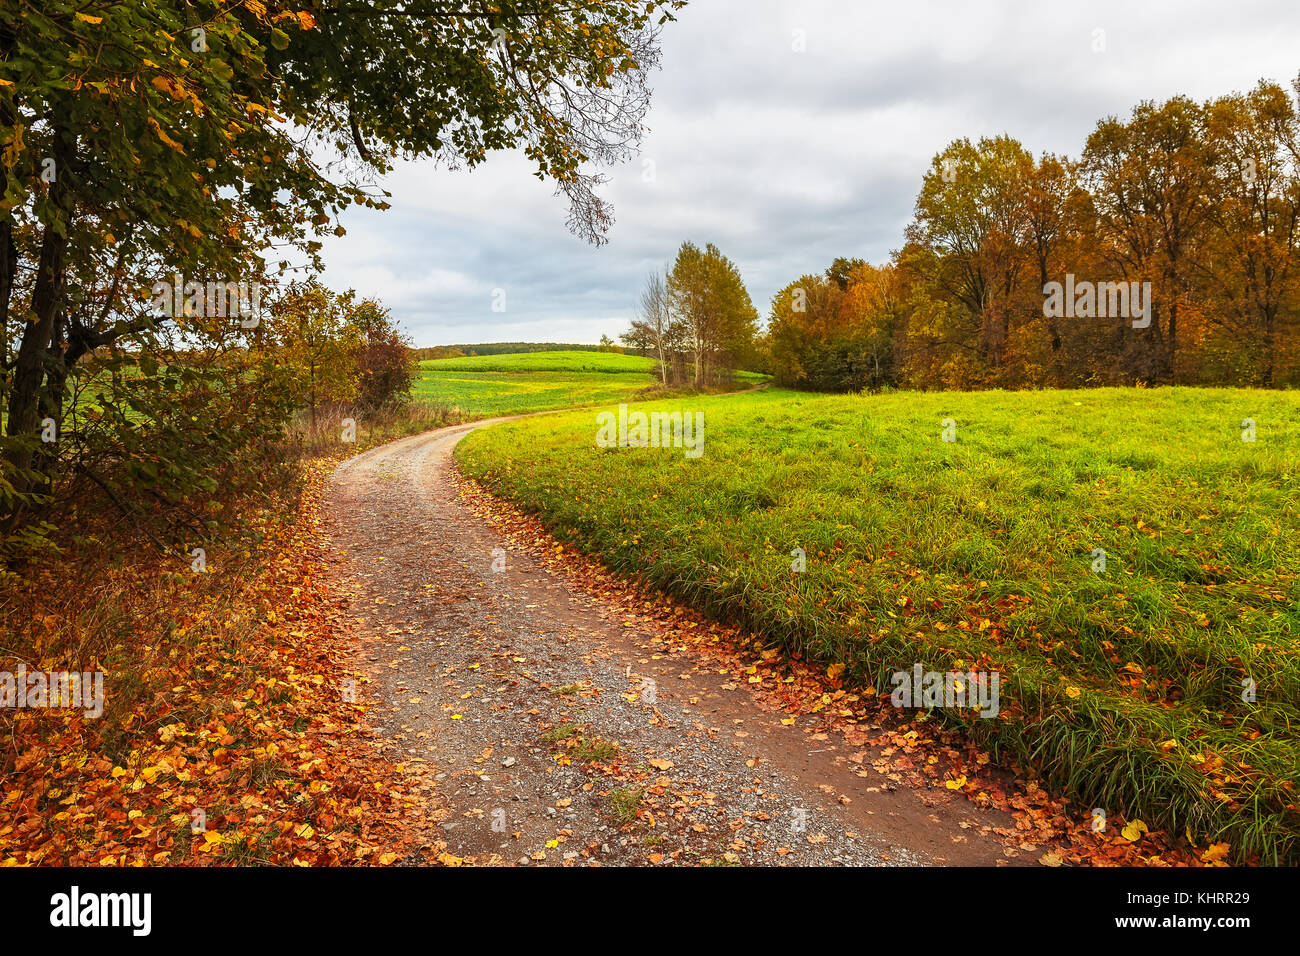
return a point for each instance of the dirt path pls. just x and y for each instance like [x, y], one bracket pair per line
[508, 690]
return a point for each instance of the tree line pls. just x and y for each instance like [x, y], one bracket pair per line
[1193, 208]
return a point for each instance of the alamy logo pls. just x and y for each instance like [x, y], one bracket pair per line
[211, 299]
[655, 430]
[1098, 300]
[74, 908]
[952, 689]
[41, 689]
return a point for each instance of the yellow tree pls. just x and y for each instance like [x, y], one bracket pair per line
[1250, 263]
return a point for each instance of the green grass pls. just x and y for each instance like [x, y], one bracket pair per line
[1123, 689]
[562, 732]
[623, 804]
[611, 363]
[485, 386]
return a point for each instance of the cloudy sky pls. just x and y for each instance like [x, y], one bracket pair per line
[786, 159]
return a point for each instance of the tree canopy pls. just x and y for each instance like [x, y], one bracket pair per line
[200, 143]
[1196, 203]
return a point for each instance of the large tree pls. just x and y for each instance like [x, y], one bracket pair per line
[707, 295]
[971, 227]
[208, 140]
[1151, 181]
[1250, 259]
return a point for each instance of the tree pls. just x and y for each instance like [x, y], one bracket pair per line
[835, 332]
[656, 330]
[872, 311]
[801, 317]
[1151, 181]
[384, 366]
[1050, 227]
[1250, 260]
[316, 346]
[1200, 201]
[841, 271]
[707, 296]
[145, 140]
[970, 231]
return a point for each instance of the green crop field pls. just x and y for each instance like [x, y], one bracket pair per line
[512, 384]
[1129, 687]
[606, 362]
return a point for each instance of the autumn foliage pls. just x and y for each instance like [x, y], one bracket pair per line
[1201, 201]
[232, 732]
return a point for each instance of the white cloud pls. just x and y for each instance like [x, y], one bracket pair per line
[786, 160]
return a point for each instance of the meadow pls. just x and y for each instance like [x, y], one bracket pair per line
[485, 386]
[609, 363]
[1164, 683]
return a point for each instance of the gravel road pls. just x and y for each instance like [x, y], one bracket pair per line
[550, 732]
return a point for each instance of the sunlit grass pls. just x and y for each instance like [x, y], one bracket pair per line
[1124, 688]
[484, 386]
[559, 361]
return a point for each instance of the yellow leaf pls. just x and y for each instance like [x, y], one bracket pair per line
[1050, 859]
[87, 18]
[158, 131]
[1215, 853]
[660, 764]
[1134, 830]
[1072, 692]
[956, 784]
[387, 858]
[834, 671]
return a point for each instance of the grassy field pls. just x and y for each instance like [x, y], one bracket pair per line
[1123, 687]
[612, 363]
[490, 385]
[483, 386]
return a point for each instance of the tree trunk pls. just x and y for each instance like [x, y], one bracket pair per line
[8, 250]
[1270, 340]
[33, 356]
[50, 405]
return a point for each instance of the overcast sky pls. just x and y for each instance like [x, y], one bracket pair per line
[787, 159]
